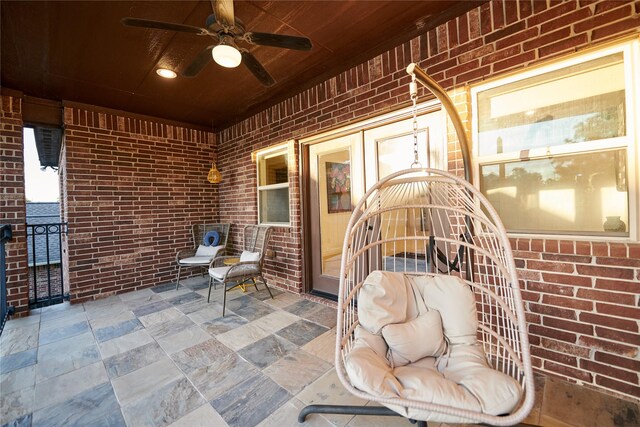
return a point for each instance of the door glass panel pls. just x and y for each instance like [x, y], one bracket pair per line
[336, 204]
[396, 152]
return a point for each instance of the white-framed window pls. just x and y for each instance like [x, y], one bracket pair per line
[273, 185]
[555, 147]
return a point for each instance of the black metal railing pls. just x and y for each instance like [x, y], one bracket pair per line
[46, 274]
[5, 310]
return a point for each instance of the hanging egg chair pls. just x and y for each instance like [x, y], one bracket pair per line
[431, 323]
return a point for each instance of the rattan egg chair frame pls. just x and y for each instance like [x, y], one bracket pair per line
[427, 222]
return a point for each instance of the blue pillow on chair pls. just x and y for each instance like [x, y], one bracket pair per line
[212, 238]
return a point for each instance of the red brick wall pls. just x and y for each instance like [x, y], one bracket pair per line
[584, 329]
[133, 187]
[12, 200]
[47, 277]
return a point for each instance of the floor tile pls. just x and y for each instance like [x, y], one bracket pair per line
[172, 293]
[64, 387]
[264, 295]
[117, 330]
[251, 311]
[296, 370]
[96, 406]
[277, 320]
[199, 286]
[143, 381]
[23, 421]
[323, 346]
[106, 321]
[129, 361]
[108, 311]
[224, 324]
[220, 376]
[174, 326]
[163, 405]
[163, 288]
[20, 339]
[301, 332]
[60, 310]
[379, 421]
[66, 355]
[18, 379]
[283, 300]
[200, 355]
[19, 360]
[242, 336]
[204, 416]
[194, 306]
[264, 352]
[325, 316]
[21, 322]
[153, 307]
[251, 401]
[132, 304]
[137, 295]
[184, 339]
[56, 334]
[160, 317]
[287, 416]
[124, 343]
[206, 314]
[185, 298]
[68, 319]
[16, 405]
[328, 390]
[571, 404]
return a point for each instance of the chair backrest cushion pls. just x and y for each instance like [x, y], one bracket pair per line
[416, 339]
[247, 256]
[208, 251]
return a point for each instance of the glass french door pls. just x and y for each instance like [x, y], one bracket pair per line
[340, 169]
[335, 186]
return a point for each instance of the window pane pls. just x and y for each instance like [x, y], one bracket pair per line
[273, 169]
[577, 194]
[274, 205]
[580, 103]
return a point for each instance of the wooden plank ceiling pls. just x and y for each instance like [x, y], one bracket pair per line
[79, 51]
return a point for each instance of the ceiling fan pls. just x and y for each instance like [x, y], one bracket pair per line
[227, 30]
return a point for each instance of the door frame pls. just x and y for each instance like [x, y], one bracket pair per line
[305, 181]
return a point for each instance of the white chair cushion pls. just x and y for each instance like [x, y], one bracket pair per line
[247, 256]
[418, 338]
[382, 300]
[195, 260]
[455, 301]
[210, 251]
[218, 272]
[374, 342]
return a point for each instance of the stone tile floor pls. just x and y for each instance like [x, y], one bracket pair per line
[160, 357]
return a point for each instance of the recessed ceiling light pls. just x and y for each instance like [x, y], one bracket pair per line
[167, 74]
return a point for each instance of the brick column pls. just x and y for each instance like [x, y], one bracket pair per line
[12, 201]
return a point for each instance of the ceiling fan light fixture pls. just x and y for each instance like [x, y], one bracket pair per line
[166, 73]
[226, 56]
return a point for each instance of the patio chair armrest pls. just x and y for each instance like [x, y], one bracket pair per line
[185, 253]
[245, 268]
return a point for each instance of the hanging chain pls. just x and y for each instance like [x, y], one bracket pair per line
[413, 91]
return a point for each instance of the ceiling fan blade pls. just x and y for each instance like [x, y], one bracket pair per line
[223, 10]
[158, 25]
[278, 40]
[200, 61]
[257, 69]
